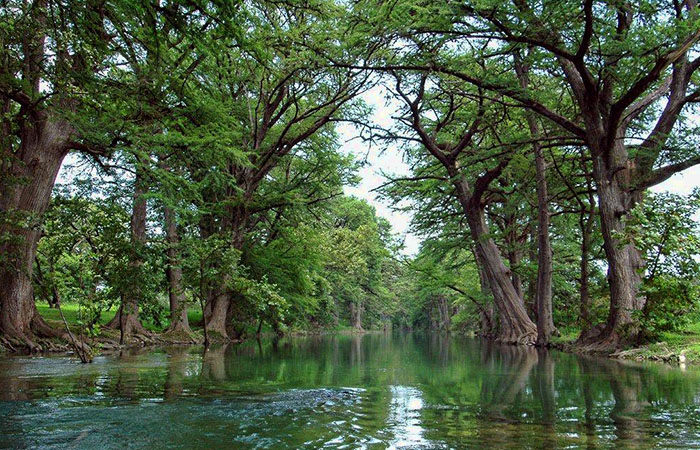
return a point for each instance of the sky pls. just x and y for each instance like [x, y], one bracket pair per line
[390, 161]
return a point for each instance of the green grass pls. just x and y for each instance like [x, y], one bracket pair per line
[72, 313]
[194, 315]
[686, 341]
[566, 335]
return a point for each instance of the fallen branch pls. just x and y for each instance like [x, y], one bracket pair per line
[84, 356]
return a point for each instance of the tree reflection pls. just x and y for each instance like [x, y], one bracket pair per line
[214, 364]
[419, 390]
[513, 365]
[176, 371]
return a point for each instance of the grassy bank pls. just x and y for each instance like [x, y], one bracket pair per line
[72, 313]
[682, 346]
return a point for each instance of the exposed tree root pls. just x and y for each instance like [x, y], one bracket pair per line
[179, 326]
[598, 339]
[114, 322]
[18, 342]
[513, 337]
[180, 335]
[41, 337]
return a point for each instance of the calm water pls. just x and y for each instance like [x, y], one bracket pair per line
[374, 391]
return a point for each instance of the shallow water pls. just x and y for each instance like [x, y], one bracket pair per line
[372, 391]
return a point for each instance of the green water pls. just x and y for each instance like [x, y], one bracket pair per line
[374, 391]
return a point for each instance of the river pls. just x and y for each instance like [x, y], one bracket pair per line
[340, 391]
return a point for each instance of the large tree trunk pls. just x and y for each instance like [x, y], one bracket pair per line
[216, 315]
[356, 316]
[487, 319]
[543, 296]
[127, 319]
[515, 326]
[545, 321]
[222, 304]
[26, 181]
[624, 260]
[178, 302]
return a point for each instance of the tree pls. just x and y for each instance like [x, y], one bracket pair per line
[436, 116]
[52, 53]
[619, 74]
[664, 230]
[273, 98]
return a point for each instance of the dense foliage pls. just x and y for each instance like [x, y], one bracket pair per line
[208, 173]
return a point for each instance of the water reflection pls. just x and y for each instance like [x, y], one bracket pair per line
[371, 391]
[405, 418]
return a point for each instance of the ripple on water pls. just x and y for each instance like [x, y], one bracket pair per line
[347, 392]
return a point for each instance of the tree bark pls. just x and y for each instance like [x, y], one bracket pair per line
[487, 326]
[356, 316]
[178, 303]
[26, 182]
[624, 260]
[545, 321]
[514, 253]
[543, 296]
[443, 307]
[531, 301]
[515, 326]
[223, 304]
[127, 319]
[586, 222]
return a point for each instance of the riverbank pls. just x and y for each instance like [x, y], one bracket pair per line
[681, 347]
[108, 339]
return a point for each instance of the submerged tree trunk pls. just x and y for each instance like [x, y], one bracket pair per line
[178, 302]
[26, 181]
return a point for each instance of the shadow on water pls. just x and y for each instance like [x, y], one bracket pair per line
[361, 391]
